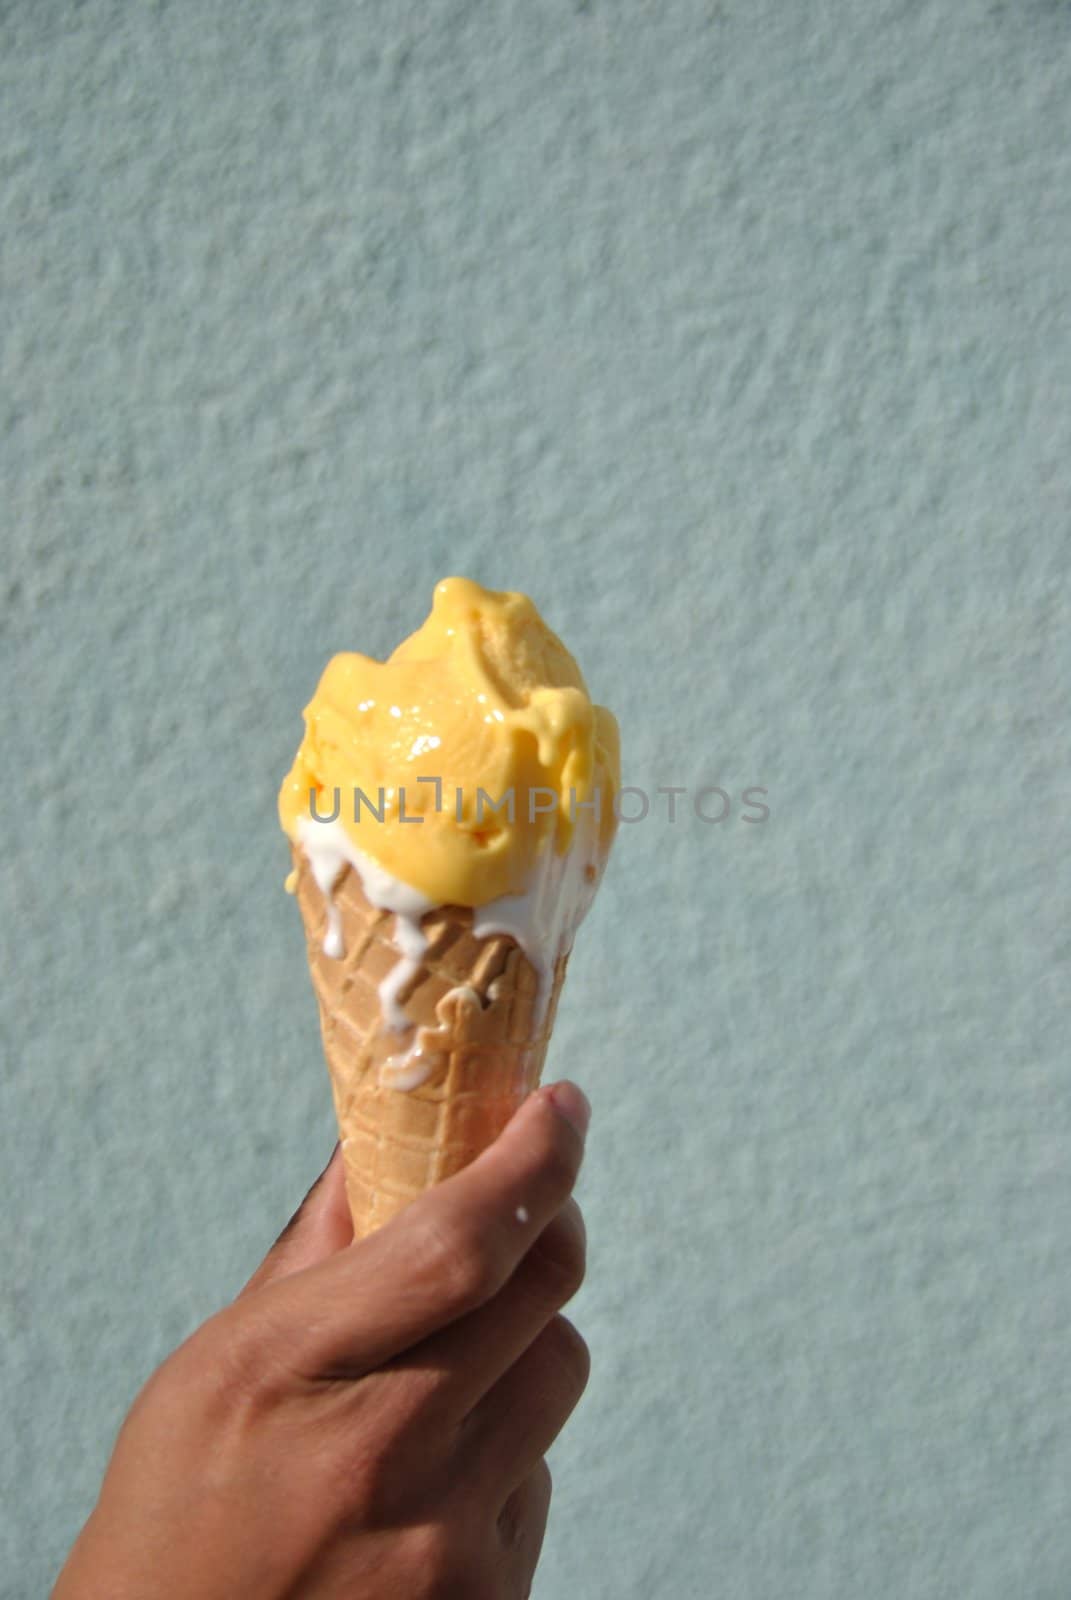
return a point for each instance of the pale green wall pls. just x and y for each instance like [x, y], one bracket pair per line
[739, 334]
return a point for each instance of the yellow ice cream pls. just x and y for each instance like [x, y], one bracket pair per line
[486, 705]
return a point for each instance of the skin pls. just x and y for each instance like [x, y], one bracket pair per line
[367, 1418]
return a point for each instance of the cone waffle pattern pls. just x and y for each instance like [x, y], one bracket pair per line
[484, 1047]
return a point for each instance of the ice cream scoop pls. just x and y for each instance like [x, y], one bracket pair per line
[456, 760]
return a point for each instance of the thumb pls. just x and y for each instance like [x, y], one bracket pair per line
[320, 1226]
[451, 1250]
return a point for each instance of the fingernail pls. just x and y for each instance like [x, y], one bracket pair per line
[573, 1104]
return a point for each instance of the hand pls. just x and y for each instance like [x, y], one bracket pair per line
[367, 1419]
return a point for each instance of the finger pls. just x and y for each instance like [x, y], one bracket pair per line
[463, 1361]
[519, 1420]
[522, 1523]
[320, 1226]
[447, 1253]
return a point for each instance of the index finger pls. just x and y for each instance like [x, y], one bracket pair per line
[447, 1253]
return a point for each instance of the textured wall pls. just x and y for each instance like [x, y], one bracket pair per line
[738, 334]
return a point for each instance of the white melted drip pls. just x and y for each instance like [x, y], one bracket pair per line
[415, 1065]
[407, 1071]
[412, 942]
[329, 849]
[543, 920]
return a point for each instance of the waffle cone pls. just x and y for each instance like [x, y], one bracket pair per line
[481, 1038]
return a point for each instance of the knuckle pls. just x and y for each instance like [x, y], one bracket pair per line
[445, 1564]
[469, 1274]
[239, 1365]
[368, 1479]
[466, 1265]
[242, 1362]
[524, 1514]
[559, 1258]
[570, 1353]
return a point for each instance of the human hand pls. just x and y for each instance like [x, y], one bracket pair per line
[367, 1418]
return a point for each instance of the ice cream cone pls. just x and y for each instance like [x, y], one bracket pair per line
[415, 1107]
[438, 950]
